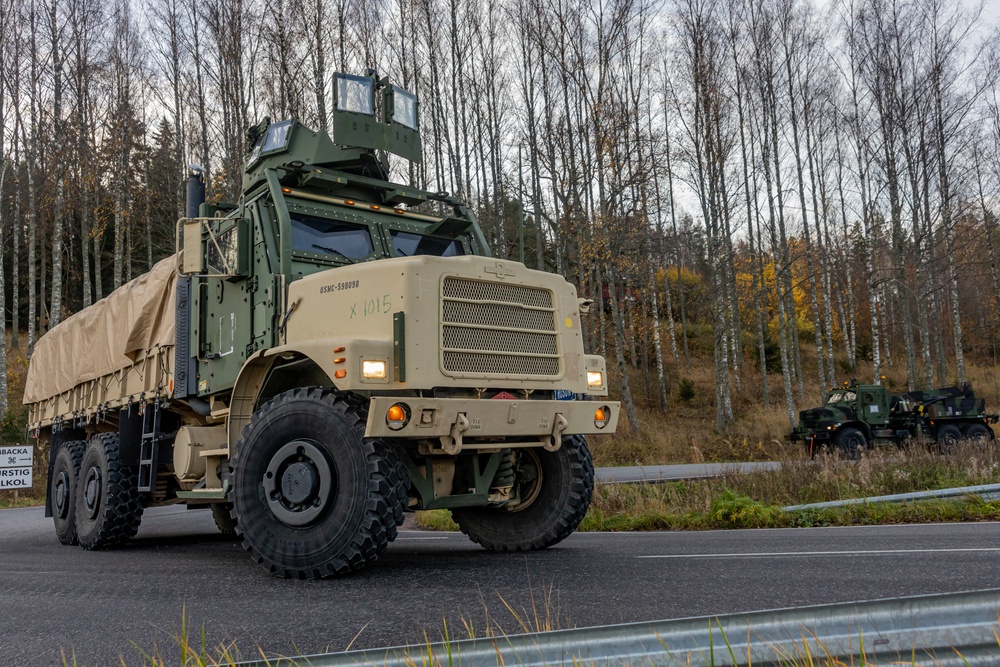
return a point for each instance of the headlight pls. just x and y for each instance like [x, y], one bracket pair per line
[373, 369]
[595, 379]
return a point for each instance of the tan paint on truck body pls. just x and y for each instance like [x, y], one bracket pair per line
[345, 316]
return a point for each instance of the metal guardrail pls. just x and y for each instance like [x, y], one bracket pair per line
[984, 491]
[678, 472]
[941, 630]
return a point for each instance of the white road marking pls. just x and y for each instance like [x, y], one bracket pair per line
[874, 552]
[402, 538]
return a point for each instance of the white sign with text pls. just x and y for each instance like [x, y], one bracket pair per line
[16, 464]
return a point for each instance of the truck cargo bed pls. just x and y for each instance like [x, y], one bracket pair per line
[119, 350]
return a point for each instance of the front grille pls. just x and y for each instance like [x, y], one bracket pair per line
[481, 364]
[491, 328]
[478, 290]
[497, 315]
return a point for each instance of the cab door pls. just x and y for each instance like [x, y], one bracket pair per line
[872, 407]
[223, 332]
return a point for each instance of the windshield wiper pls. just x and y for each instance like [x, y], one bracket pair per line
[335, 252]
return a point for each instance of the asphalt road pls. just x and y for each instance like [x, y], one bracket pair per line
[102, 605]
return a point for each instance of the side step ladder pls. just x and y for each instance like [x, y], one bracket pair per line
[149, 446]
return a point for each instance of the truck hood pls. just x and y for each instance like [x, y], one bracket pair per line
[825, 416]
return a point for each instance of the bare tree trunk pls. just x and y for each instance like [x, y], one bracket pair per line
[626, 394]
[31, 148]
[989, 227]
[823, 244]
[677, 252]
[851, 333]
[317, 57]
[194, 16]
[810, 265]
[3, 224]
[60, 197]
[651, 280]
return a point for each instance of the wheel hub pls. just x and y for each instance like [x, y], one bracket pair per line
[299, 483]
[529, 476]
[62, 495]
[92, 491]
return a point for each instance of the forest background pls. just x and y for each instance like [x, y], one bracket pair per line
[763, 197]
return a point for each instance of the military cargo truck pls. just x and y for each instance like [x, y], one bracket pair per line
[856, 416]
[324, 354]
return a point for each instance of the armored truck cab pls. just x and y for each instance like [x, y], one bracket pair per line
[317, 358]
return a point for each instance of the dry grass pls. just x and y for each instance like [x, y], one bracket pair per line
[827, 478]
[686, 432]
[755, 499]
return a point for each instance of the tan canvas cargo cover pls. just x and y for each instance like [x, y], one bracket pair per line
[107, 336]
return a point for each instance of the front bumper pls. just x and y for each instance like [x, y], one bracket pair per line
[465, 423]
[807, 436]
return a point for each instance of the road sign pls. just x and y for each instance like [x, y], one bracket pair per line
[16, 464]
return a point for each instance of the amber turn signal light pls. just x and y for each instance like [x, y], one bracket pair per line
[601, 416]
[397, 416]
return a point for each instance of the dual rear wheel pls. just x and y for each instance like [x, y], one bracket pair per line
[94, 499]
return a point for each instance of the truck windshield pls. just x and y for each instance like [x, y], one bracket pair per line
[407, 244]
[343, 240]
[842, 397]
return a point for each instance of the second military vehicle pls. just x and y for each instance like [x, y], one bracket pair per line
[320, 356]
[858, 416]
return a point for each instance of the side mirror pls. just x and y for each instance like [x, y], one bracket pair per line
[216, 246]
[194, 258]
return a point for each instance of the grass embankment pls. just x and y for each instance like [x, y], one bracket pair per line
[754, 500]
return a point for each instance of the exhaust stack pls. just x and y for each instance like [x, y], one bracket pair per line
[195, 190]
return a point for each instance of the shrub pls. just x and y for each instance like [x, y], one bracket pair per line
[742, 511]
[686, 390]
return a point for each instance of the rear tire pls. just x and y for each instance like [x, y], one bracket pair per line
[549, 511]
[108, 510]
[979, 433]
[948, 437]
[851, 443]
[65, 476]
[312, 497]
[223, 515]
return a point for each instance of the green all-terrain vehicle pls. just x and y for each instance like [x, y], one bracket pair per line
[858, 416]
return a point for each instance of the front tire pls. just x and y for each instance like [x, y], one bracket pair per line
[552, 504]
[948, 437]
[108, 510]
[65, 476]
[851, 443]
[312, 497]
